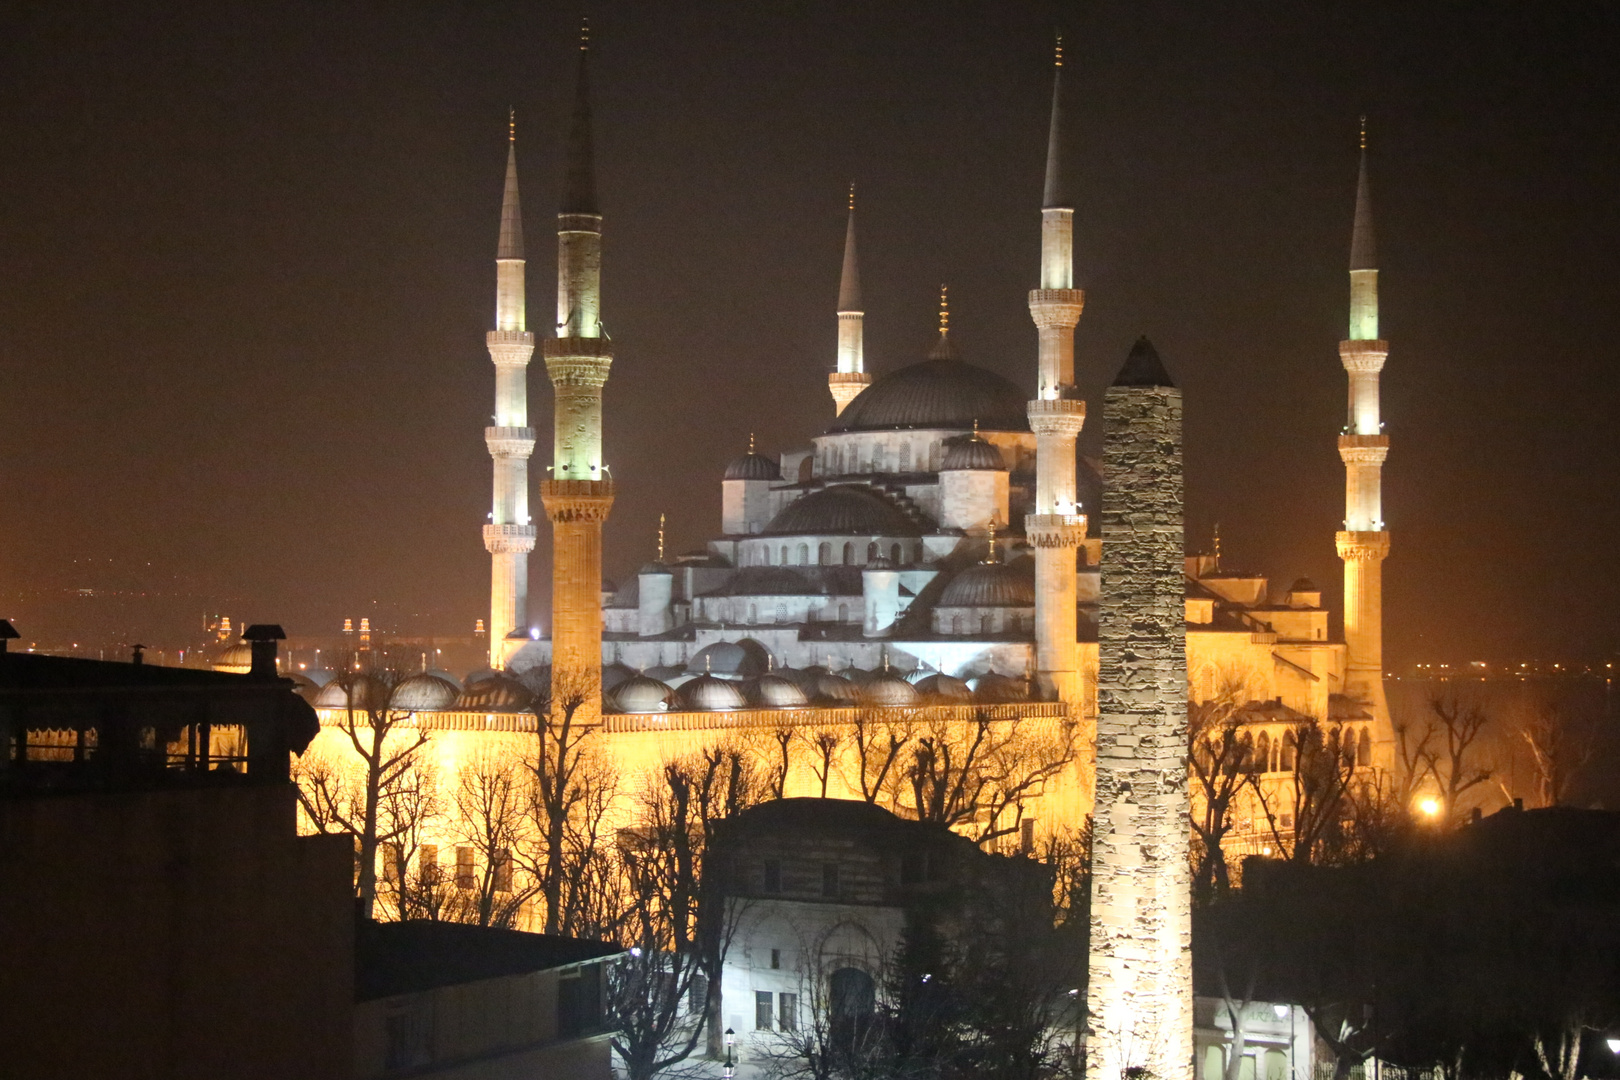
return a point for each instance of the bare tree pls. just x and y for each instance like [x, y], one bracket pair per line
[1559, 745]
[1306, 811]
[387, 742]
[978, 775]
[823, 744]
[1219, 758]
[491, 800]
[821, 1044]
[1451, 752]
[411, 809]
[878, 739]
[673, 928]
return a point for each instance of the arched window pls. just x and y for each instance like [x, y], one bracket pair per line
[1246, 752]
[933, 457]
[753, 613]
[853, 997]
[871, 551]
[956, 624]
[849, 554]
[784, 554]
[894, 554]
[843, 613]
[781, 611]
[987, 623]
[824, 554]
[1262, 753]
[1364, 749]
[804, 554]
[1287, 762]
[905, 458]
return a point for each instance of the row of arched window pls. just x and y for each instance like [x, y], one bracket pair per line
[1263, 753]
[827, 554]
[850, 459]
[749, 612]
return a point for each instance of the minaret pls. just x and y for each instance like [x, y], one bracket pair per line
[1140, 993]
[1364, 542]
[1056, 528]
[851, 378]
[579, 493]
[509, 536]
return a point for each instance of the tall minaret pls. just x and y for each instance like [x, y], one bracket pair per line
[1364, 542]
[1056, 528]
[851, 378]
[509, 536]
[579, 493]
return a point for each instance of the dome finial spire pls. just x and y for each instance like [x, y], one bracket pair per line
[1217, 546]
[1364, 132]
[944, 310]
[991, 557]
[852, 196]
[584, 33]
[511, 124]
[750, 442]
[660, 537]
[1057, 59]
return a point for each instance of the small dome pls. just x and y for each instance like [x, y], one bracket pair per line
[499, 693]
[992, 585]
[446, 676]
[843, 509]
[639, 694]
[236, 658]
[739, 659]
[615, 673]
[887, 688]
[321, 676]
[423, 693]
[708, 694]
[992, 688]
[973, 453]
[945, 689]
[478, 675]
[774, 692]
[361, 691]
[753, 466]
[835, 690]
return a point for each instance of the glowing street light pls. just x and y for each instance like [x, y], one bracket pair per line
[1430, 807]
[730, 1067]
[1613, 1044]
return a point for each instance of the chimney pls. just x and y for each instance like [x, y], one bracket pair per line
[139, 655]
[7, 632]
[263, 638]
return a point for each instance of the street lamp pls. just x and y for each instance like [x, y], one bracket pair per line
[730, 1068]
[1430, 807]
[1613, 1044]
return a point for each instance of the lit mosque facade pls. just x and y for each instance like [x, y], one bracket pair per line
[929, 551]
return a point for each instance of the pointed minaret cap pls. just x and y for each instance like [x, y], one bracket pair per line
[1055, 197]
[1143, 367]
[511, 242]
[943, 349]
[849, 285]
[1363, 253]
[579, 184]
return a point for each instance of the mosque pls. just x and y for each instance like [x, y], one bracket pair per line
[928, 551]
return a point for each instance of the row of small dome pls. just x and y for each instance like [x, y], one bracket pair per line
[675, 690]
[429, 691]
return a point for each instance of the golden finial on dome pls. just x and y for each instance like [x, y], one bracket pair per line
[1058, 60]
[991, 557]
[852, 196]
[585, 33]
[511, 124]
[660, 537]
[1363, 131]
[750, 442]
[1217, 544]
[944, 310]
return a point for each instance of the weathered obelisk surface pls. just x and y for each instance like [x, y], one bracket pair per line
[1140, 989]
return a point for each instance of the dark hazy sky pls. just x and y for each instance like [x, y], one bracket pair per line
[245, 272]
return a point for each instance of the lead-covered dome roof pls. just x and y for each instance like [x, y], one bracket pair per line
[752, 466]
[843, 509]
[992, 585]
[940, 392]
[424, 693]
[973, 453]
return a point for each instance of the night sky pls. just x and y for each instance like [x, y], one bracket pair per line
[246, 269]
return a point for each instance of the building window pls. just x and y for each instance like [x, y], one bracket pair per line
[843, 613]
[787, 1018]
[894, 554]
[824, 553]
[784, 554]
[464, 868]
[1026, 836]
[1364, 749]
[776, 959]
[700, 994]
[753, 614]
[773, 875]
[430, 864]
[829, 879]
[762, 1010]
[987, 623]
[393, 860]
[905, 458]
[956, 624]
[849, 554]
[871, 551]
[804, 554]
[503, 870]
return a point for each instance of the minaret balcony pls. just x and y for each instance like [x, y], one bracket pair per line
[509, 441]
[1057, 416]
[508, 539]
[1055, 530]
[1362, 546]
[1364, 356]
[1056, 307]
[1363, 449]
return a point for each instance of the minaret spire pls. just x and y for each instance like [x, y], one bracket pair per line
[1056, 527]
[849, 377]
[509, 535]
[1363, 544]
[580, 492]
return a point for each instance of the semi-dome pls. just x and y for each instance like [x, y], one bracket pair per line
[752, 466]
[708, 694]
[639, 694]
[945, 689]
[358, 691]
[843, 509]
[738, 659]
[501, 693]
[992, 585]
[941, 392]
[774, 692]
[887, 688]
[975, 454]
[424, 693]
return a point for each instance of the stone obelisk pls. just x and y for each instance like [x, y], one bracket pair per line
[1140, 990]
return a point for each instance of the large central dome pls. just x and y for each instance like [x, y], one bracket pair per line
[940, 392]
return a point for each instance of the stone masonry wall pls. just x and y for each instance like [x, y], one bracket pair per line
[1140, 994]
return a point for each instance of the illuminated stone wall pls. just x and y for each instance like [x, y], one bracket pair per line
[1140, 989]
